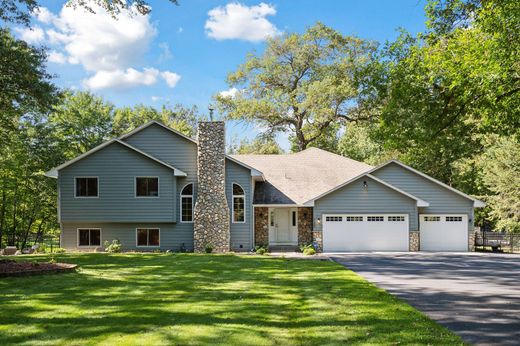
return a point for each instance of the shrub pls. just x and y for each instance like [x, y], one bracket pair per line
[59, 250]
[261, 249]
[306, 246]
[208, 248]
[113, 247]
[309, 251]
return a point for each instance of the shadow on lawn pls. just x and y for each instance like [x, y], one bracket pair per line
[207, 299]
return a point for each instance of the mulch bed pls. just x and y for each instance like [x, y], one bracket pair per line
[13, 268]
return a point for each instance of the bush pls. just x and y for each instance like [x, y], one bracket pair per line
[261, 249]
[113, 247]
[309, 251]
[208, 248]
[306, 246]
[59, 250]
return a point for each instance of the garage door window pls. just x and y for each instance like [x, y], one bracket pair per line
[354, 218]
[376, 218]
[454, 218]
[333, 219]
[432, 218]
[396, 218]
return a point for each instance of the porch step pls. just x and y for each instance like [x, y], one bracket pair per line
[284, 248]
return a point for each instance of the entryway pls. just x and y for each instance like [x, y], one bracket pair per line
[283, 226]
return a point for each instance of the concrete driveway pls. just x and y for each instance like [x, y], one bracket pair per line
[475, 295]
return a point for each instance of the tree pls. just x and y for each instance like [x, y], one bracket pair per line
[260, 145]
[357, 143]
[302, 84]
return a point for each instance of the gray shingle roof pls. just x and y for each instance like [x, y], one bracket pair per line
[299, 177]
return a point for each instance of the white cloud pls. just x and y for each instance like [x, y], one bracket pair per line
[171, 78]
[109, 49]
[229, 93]
[121, 79]
[180, 29]
[57, 57]
[237, 21]
[31, 35]
[166, 53]
[156, 98]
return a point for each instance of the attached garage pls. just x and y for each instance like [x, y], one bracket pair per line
[365, 232]
[443, 232]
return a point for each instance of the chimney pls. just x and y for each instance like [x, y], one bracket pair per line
[211, 217]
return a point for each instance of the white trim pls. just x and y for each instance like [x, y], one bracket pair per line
[53, 173]
[180, 203]
[233, 203]
[86, 176]
[278, 205]
[420, 202]
[87, 246]
[143, 176]
[254, 172]
[476, 203]
[148, 237]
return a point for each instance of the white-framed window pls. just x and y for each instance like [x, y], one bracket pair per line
[333, 218]
[86, 187]
[454, 218]
[147, 237]
[432, 218]
[89, 237]
[354, 218]
[186, 204]
[396, 218]
[239, 204]
[375, 218]
[147, 187]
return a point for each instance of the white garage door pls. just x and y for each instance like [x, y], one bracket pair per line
[361, 232]
[440, 232]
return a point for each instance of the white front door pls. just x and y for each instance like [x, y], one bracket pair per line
[283, 226]
[443, 232]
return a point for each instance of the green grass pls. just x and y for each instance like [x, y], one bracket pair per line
[187, 299]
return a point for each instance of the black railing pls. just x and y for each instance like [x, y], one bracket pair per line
[497, 241]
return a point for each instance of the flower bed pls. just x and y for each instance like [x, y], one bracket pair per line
[13, 268]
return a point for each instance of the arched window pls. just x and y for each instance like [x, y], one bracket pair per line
[239, 202]
[187, 203]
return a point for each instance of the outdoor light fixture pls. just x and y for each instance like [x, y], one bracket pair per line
[365, 185]
[318, 221]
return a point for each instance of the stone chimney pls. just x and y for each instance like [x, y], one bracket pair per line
[211, 217]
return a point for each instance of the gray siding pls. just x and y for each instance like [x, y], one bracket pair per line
[171, 236]
[116, 167]
[177, 151]
[377, 198]
[442, 200]
[241, 233]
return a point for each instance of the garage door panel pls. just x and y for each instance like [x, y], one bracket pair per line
[443, 232]
[363, 232]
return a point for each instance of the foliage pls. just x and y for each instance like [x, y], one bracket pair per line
[208, 248]
[302, 84]
[501, 175]
[357, 143]
[115, 300]
[260, 145]
[307, 249]
[261, 249]
[112, 247]
[59, 250]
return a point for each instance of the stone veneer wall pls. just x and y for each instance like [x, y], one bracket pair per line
[317, 238]
[261, 226]
[471, 240]
[304, 226]
[211, 214]
[414, 241]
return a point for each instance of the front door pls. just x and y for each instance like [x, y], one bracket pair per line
[283, 229]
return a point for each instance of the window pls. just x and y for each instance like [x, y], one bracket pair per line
[396, 218]
[147, 237]
[375, 218]
[293, 218]
[354, 218]
[86, 187]
[89, 237]
[239, 197]
[454, 218]
[333, 218]
[432, 218]
[187, 203]
[147, 187]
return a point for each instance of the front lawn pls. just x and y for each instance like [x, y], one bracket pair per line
[201, 299]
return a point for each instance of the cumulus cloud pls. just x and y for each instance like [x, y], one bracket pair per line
[57, 57]
[31, 35]
[170, 78]
[109, 49]
[229, 93]
[238, 21]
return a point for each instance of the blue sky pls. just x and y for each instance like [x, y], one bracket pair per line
[182, 54]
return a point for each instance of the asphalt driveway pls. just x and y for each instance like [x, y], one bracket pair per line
[475, 295]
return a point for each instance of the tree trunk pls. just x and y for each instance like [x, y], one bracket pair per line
[2, 212]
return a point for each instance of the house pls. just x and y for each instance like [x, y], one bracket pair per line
[155, 188]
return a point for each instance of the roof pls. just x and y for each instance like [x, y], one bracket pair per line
[420, 202]
[476, 202]
[301, 176]
[53, 173]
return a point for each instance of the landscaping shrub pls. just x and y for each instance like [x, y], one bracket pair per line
[308, 249]
[113, 247]
[208, 248]
[59, 250]
[261, 249]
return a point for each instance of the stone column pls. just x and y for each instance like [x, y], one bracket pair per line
[414, 241]
[304, 226]
[471, 240]
[261, 226]
[211, 214]
[317, 238]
